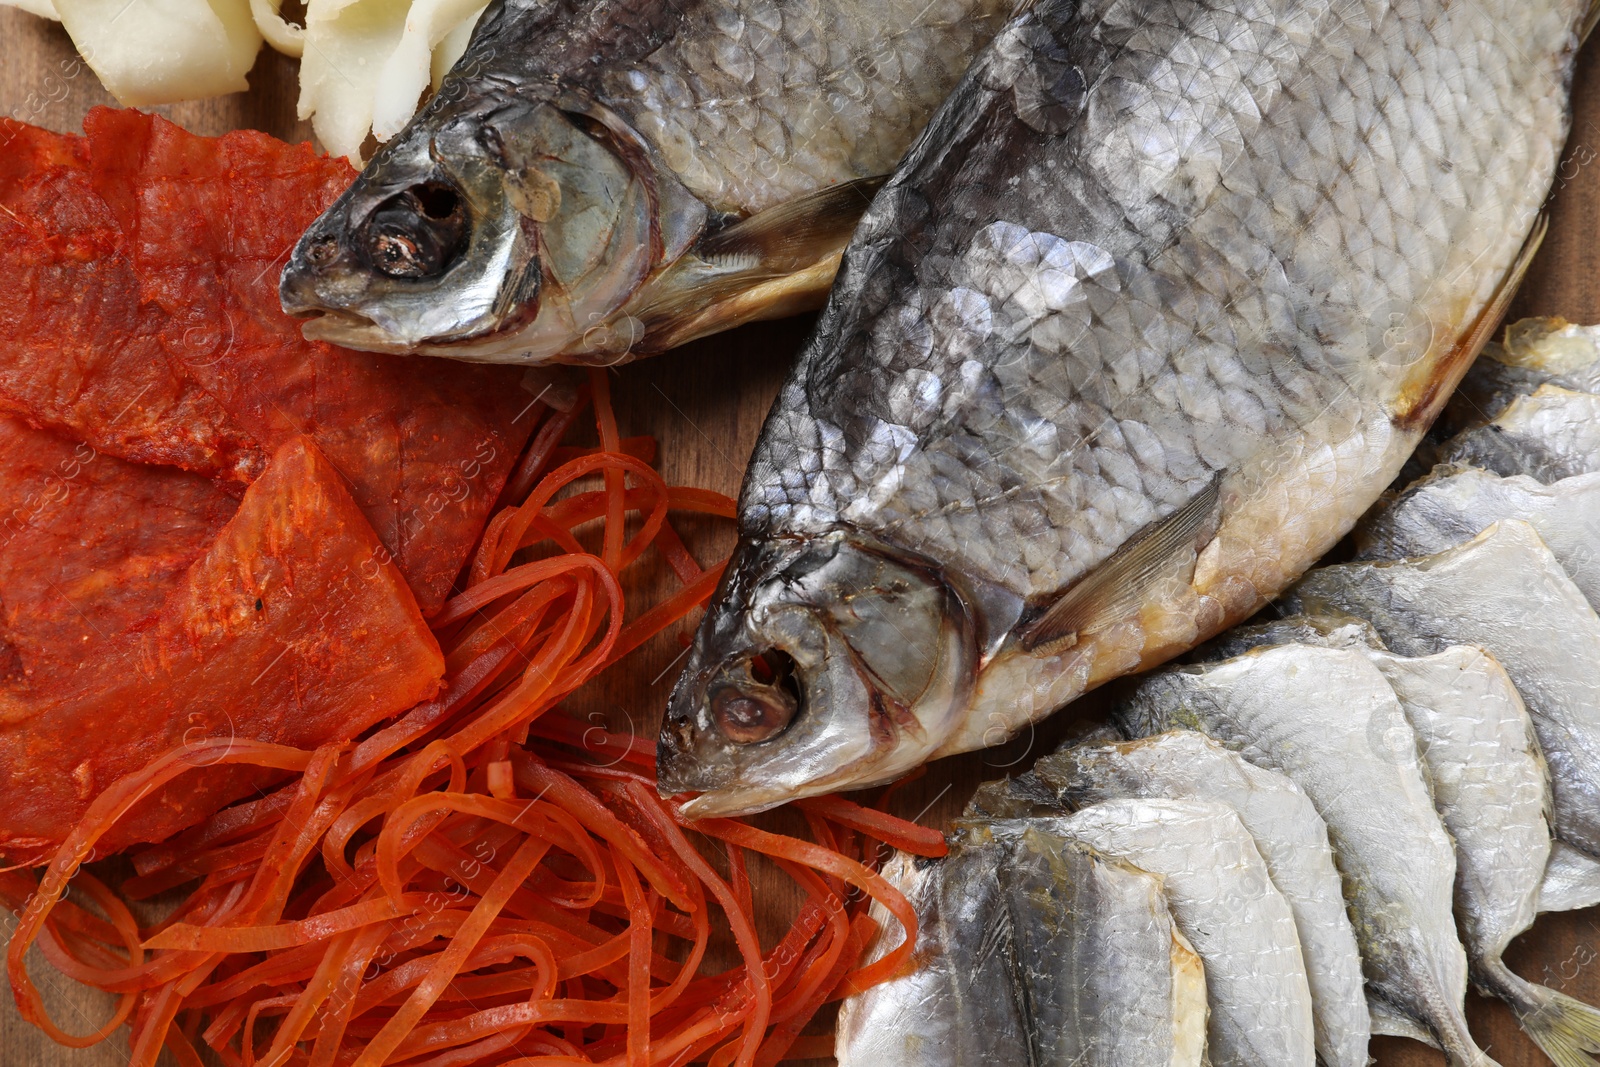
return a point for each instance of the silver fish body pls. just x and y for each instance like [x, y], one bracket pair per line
[1288, 832]
[1016, 926]
[597, 181]
[1327, 719]
[1154, 309]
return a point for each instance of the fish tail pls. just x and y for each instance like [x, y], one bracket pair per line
[1568, 1030]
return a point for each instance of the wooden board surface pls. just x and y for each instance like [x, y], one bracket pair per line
[705, 404]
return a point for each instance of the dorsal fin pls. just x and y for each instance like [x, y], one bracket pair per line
[1113, 591]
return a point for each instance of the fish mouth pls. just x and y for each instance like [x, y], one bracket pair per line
[348, 329]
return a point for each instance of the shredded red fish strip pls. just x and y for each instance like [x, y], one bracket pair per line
[479, 882]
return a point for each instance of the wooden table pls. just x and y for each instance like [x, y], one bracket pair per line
[705, 403]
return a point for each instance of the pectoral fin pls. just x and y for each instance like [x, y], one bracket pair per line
[795, 234]
[1114, 591]
[776, 262]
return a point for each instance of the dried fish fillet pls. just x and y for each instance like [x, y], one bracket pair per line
[1454, 505]
[1223, 900]
[1329, 630]
[1550, 434]
[1327, 719]
[958, 1007]
[1288, 832]
[1493, 793]
[1571, 881]
[1504, 592]
[1534, 352]
[1017, 926]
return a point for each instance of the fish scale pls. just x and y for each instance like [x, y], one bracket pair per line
[1148, 255]
[755, 77]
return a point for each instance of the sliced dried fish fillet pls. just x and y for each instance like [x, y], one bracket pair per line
[1535, 352]
[1504, 592]
[1454, 505]
[1327, 719]
[1288, 832]
[1223, 900]
[1571, 881]
[1550, 434]
[958, 1007]
[1493, 793]
[1018, 924]
[1329, 630]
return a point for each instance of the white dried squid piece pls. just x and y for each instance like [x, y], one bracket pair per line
[160, 51]
[366, 63]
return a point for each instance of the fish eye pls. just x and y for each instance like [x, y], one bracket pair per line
[396, 254]
[755, 697]
[418, 233]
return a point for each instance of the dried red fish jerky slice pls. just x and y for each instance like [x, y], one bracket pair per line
[293, 627]
[152, 331]
[83, 354]
[26, 151]
[90, 547]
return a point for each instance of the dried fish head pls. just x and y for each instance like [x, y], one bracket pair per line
[508, 215]
[826, 660]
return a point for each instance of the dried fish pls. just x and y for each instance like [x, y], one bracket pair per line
[601, 179]
[1327, 719]
[1115, 356]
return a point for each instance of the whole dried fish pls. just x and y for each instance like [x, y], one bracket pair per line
[1153, 310]
[601, 179]
[1017, 924]
[1327, 719]
[1288, 832]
